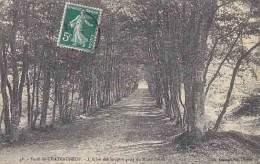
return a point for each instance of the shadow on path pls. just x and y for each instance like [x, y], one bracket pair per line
[127, 129]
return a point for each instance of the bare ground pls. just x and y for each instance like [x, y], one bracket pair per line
[131, 131]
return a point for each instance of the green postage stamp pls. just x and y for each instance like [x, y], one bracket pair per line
[79, 27]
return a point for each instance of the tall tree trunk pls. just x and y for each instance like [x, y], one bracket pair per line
[36, 112]
[1, 119]
[15, 73]
[28, 99]
[45, 98]
[33, 89]
[5, 98]
[84, 96]
[25, 58]
[37, 84]
[60, 99]
[194, 58]
[175, 103]
[55, 102]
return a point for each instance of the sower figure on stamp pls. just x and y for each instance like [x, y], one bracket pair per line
[77, 24]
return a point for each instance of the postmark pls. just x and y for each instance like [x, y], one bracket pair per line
[79, 27]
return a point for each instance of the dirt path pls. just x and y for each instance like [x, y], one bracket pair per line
[122, 133]
[132, 131]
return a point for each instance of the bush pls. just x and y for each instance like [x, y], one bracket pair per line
[250, 106]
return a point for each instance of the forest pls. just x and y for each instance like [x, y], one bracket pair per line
[200, 60]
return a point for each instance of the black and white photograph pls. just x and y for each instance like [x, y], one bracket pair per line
[129, 81]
